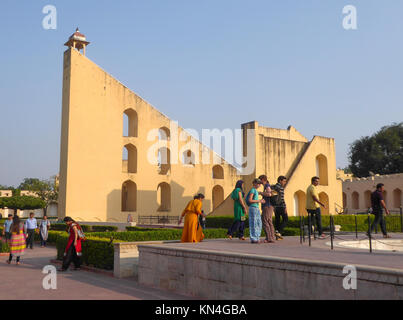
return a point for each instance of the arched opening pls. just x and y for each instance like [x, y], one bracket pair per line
[218, 196]
[188, 158]
[367, 199]
[164, 133]
[344, 200]
[129, 196]
[321, 169]
[218, 172]
[397, 198]
[299, 203]
[129, 161]
[164, 160]
[355, 200]
[385, 195]
[130, 123]
[324, 198]
[164, 197]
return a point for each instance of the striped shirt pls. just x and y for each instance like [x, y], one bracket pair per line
[280, 190]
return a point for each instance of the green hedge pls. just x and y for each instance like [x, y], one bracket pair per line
[4, 248]
[96, 252]
[85, 227]
[347, 222]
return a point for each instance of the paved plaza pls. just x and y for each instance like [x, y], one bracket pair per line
[320, 250]
[24, 282]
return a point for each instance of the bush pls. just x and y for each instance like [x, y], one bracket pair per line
[96, 252]
[63, 227]
[104, 228]
[4, 248]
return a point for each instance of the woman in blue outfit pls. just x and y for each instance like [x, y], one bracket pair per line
[255, 220]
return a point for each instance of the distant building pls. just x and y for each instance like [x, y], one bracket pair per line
[357, 192]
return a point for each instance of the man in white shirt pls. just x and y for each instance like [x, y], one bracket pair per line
[30, 226]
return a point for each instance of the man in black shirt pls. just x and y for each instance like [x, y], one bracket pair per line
[280, 208]
[378, 203]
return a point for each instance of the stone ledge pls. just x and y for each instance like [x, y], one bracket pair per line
[370, 273]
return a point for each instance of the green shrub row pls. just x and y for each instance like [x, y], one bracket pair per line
[347, 222]
[85, 227]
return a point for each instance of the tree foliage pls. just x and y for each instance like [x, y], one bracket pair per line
[381, 153]
[47, 190]
[22, 203]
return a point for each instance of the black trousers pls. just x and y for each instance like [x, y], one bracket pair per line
[379, 219]
[71, 256]
[281, 219]
[237, 226]
[30, 238]
[316, 213]
[10, 257]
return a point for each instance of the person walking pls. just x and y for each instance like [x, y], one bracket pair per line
[267, 211]
[378, 204]
[192, 231]
[313, 205]
[255, 221]
[30, 226]
[17, 243]
[73, 251]
[239, 211]
[6, 228]
[43, 230]
[280, 208]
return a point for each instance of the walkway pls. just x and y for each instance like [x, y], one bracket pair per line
[25, 282]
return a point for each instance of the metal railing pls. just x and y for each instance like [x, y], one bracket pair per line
[393, 221]
[158, 220]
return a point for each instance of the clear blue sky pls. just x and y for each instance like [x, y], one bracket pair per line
[206, 64]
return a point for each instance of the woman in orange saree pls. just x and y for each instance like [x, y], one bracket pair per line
[192, 231]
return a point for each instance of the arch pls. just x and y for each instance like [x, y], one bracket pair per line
[299, 203]
[397, 198]
[164, 133]
[217, 196]
[188, 158]
[129, 196]
[321, 170]
[164, 197]
[129, 161]
[164, 160]
[344, 200]
[355, 200]
[367, 199]
[385, 194]
[218, 172]
[324, 198]
[130, 123]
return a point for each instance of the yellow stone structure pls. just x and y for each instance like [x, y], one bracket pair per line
[110, 136]
[357, 192]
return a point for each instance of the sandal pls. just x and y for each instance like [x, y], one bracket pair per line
[243, 239]
[229, 237]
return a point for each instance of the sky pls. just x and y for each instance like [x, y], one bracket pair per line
[206, 64]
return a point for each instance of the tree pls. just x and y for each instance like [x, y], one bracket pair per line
[46, 190]
[381, 153]
[22, 203]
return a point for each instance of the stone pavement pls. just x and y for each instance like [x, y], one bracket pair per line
[24, 282]
[290, 247]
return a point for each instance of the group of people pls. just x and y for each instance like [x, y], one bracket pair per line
[259, 217]
[271, 200]
[19, 236]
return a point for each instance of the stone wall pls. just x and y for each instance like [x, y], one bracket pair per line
[216, 275]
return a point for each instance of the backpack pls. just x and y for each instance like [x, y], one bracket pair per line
[80, 232]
